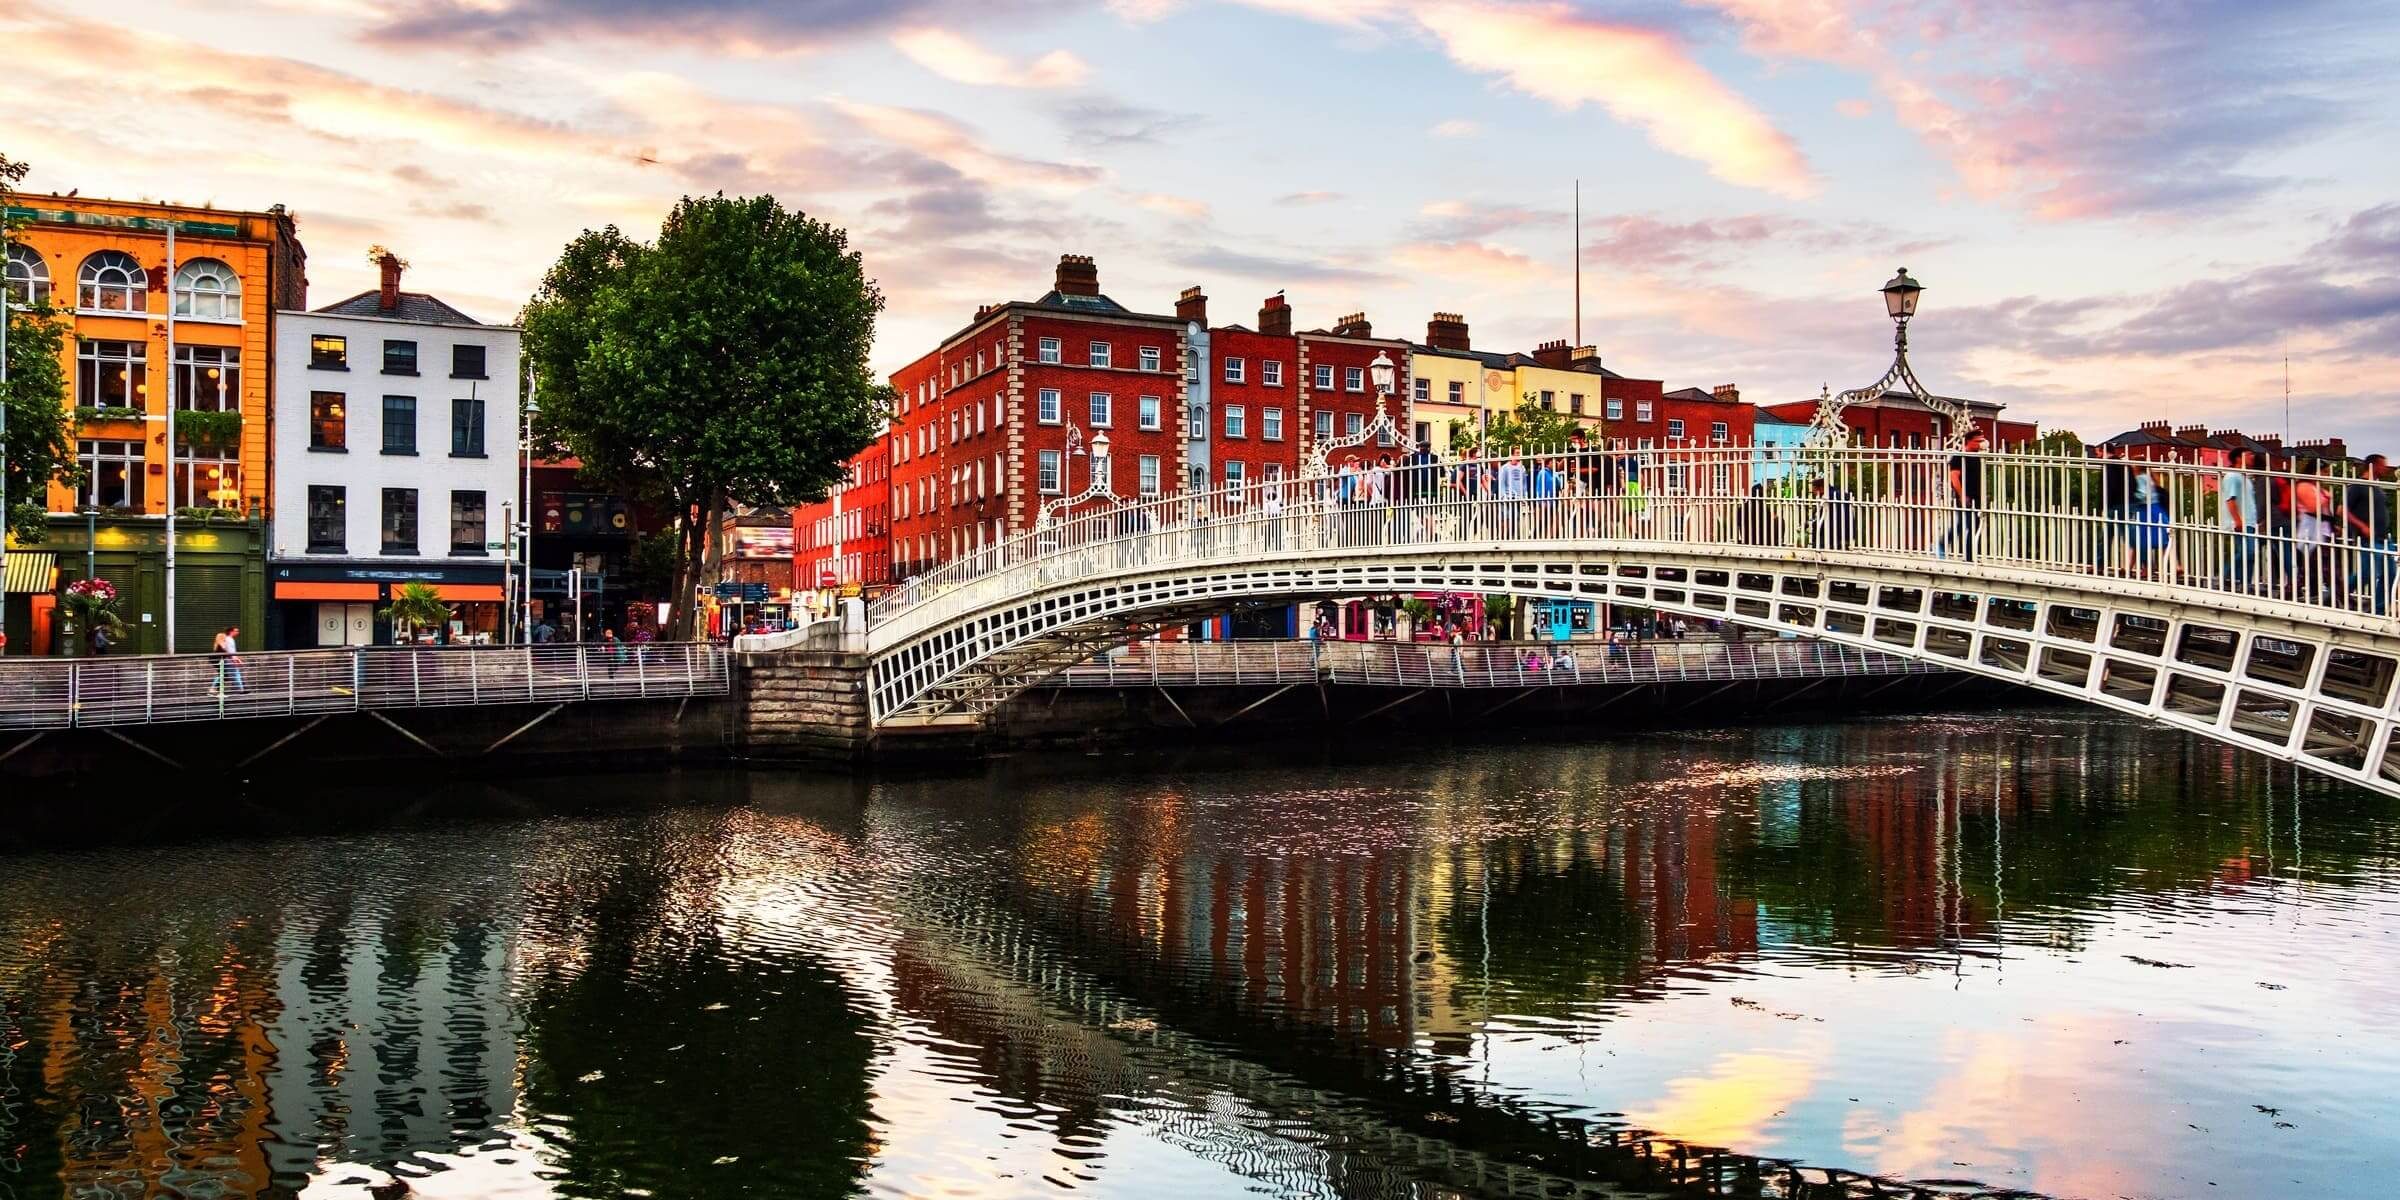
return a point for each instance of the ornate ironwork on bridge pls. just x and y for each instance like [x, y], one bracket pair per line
[2117, 584]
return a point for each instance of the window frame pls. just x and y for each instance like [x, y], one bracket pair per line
[1354, 379]
[338, 511]
[1150, 413]
[110, 273]
[1101, 407]
[1048, 350]
[25, 277]
[407, 404]
[1322, 424]
[1420, 390]
[329, 411]
[127, 453]
[1049, 472]
[1049, 407]
[92, 362]
[1237, 421]
[483, 360]
[386, 526]
[1236, 370]
[1675, 427]
[1101, 354]
[1270, 424]
[1270, 372]
[191, 360]
[391, 344]
[480, 446]
[328, 352]
[1612, 408]
[1146, 481]
[1150, 358]
[1323, 374]
[225, 299]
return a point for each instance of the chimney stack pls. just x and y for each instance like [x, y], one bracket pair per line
[1077, 276]
[1192, 306]
[1353, 325]
[1584, 354]
[2193, 433]
[1552, 354]
[1727, 393]
[389, 298]
[1275, 317]
[1447, 331]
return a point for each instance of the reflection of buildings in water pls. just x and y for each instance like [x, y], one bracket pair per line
[395, 1036]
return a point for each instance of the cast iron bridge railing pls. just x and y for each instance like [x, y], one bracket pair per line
[1283, 661]
[165, 688]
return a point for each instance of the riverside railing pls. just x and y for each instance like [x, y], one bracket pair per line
[2319, 541]
[1277, 662]
[156, 689]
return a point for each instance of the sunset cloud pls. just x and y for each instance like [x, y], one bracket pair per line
[956, 58]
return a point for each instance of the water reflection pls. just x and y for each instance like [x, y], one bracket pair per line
[2033, 951]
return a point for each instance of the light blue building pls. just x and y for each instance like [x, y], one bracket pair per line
[1775, 446]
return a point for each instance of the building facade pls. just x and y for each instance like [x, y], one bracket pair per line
[1899, 420]
[843, 543]
[396, 444]
[169, 313]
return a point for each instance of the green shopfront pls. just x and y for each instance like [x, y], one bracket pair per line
[220, 568]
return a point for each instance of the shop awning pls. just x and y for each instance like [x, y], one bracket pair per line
[31, 571]
[470, 591]
[326, 591]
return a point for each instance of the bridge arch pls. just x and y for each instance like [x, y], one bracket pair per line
[2310, 684]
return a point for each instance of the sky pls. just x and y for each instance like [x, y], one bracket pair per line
[2121, 211]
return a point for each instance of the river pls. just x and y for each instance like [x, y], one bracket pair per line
[2044, 951]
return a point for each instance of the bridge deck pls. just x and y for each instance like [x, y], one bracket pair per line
[1275, 662]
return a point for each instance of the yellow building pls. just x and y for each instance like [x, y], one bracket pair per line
[1458, 387]
[143, 325]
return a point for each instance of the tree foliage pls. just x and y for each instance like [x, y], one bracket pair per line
[723, 364]
[1530, 428]
[40, 438]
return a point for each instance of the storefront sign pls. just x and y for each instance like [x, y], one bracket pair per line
[762, 541]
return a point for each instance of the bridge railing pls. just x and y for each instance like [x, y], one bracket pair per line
[155, 689]
[2319, 541]
[1275, 662]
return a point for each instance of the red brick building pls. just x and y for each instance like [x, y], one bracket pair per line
[1896, 419]
[1253, 415]
[846, 538]
[1337, 384]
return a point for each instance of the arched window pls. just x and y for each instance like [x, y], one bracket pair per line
[205, 287]
[111, 280]
[28, 276]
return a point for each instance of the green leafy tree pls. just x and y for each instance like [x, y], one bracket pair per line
[1531, 428]
[40, 439]
[723, 364]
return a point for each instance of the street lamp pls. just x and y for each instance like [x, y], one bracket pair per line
[1900, 303]
[1383, 372]
[533, 408]
[1386, 375]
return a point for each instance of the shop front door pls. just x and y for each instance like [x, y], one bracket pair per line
[345, 624]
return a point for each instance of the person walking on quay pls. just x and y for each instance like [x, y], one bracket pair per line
[229, 661]
[1966, 498]
[612, 652]
[99, 639]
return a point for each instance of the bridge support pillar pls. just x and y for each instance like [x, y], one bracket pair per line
[804, 706]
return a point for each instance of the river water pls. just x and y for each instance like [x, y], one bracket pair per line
[2039, 950]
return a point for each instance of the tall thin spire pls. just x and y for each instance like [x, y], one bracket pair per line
[1579, 262]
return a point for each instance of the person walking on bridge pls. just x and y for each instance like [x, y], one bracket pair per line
[229, 661]
[1966, 499]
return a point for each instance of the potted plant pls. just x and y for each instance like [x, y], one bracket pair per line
[1496, 612]
[1420, 615]
[93, 603]
[416, 606]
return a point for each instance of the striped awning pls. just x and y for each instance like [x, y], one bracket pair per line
[31, 571]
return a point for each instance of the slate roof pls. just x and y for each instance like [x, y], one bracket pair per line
[415, 307]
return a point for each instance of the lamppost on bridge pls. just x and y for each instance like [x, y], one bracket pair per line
[1098, 482]
[1386, 375]
[1900, 303]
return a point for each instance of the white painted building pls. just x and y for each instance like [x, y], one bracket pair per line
[395, 428]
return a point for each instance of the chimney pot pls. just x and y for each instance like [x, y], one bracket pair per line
[1077, 276]
[1447, 331]
[1275, 317]
[388, 298]
[1727, 393]
[1353, 325]
[1192, 306]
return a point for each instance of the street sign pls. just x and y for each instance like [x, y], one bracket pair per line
[826, 579]
[495, 545]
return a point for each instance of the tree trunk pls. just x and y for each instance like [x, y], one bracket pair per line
[687, 573]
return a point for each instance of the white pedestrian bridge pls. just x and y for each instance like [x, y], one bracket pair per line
[2125, 585]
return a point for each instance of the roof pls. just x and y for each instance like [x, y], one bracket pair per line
[2148, 437]
[1766, 417]
[415, 307]
[1076, 303]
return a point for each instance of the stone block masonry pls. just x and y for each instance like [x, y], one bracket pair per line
[804, 706]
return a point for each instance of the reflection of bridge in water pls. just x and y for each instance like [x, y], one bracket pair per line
[2048, 578]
